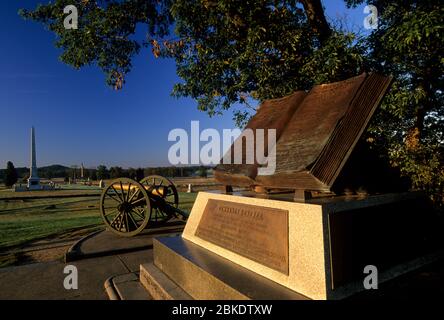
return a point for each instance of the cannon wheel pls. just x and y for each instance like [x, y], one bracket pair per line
[159, 217]
[125, 207]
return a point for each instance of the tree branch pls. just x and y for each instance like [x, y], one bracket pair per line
[316, 18]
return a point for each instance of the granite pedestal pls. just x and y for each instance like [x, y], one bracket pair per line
[237, 247]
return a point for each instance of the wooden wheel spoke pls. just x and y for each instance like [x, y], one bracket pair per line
[132, 196]
[115, 220]
[122, 191]
[112, 197]
[127, 228]
[138, 214]
[129, 191]
[137, 201]
[111, 212]
[121, 200]
[121, 222]
[132, 220]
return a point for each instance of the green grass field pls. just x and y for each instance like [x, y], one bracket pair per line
[24, 220]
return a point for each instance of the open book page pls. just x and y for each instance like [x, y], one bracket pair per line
[272, 114]
[315, 134]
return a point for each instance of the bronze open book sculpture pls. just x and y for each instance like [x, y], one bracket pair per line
[316, 132]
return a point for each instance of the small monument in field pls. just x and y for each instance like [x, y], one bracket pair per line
[82, 173]
[33, 180]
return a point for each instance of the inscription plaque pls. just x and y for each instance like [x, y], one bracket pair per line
[255, 232]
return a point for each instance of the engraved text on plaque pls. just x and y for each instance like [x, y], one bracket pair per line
[255, 232]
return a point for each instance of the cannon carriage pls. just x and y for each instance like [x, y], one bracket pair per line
[128, 207]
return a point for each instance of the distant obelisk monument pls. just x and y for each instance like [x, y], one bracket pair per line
[34, 180]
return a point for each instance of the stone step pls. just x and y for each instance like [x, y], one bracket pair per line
[203, 275]
[126, 287]
[159, 286]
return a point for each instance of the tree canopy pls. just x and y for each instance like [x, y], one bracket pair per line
[10, 174]
[231, 52]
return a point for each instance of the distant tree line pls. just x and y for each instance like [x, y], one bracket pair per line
[22, 173]
[103, 172]
[12, 175]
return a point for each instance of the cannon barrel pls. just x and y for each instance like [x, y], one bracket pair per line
[157, 190]
[160, 203]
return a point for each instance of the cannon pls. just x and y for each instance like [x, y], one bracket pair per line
[128, 207]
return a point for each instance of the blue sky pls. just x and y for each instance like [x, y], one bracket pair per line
[80, 119]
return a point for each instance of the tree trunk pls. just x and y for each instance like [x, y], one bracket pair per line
[415, 133]
[316, 18]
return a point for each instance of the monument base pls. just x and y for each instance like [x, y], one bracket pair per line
[183, 270]
[330, 241]
[40, 187]
[34, 184]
